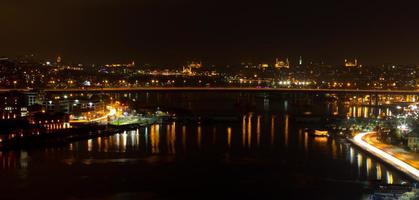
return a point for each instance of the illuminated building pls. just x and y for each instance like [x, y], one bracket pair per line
[15, 105]
[192, 65]
[187, 70]
[300, 61]
[57, 105]
[349, 63]
[63, 104]
[132, 64]
[282, 64]
[50, 121]
[59, 60]
[263, 66]
[195, 65]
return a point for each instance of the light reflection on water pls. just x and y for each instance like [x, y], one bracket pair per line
[265, 151]
[366, 111]
[253, 134]
[194, 138]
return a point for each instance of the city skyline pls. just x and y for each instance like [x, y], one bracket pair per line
[214, 32]
[209, 99]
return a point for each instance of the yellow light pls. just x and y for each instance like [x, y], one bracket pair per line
[385, 156]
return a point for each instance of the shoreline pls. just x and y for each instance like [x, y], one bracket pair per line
[390, 160]
[65, 136]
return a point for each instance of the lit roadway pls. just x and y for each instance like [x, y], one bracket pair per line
[222, 89]
[112, 112]
[234, 89]
[390, 159]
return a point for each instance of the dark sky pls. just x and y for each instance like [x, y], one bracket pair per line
[219, 32]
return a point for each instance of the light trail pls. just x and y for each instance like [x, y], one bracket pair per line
[112, 112]
[385, 156]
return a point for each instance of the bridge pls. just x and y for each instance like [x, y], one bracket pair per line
[221, 89]
[233, 89]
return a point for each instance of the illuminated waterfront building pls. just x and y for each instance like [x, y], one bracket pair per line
[50, 121]
[15, 105]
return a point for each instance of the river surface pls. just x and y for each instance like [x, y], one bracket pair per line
[266, 153]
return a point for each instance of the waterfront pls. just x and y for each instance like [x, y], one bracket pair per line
[209, 100]
[266, 153]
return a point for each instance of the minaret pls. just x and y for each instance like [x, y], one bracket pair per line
[59, 60]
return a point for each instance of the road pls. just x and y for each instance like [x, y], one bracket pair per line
[393, 160]
[235, 89]
[112, 112]
[223, 89]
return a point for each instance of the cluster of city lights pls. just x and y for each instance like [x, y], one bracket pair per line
[284, 82]
[409, 114]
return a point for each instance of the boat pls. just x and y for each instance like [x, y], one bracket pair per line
[319, 133]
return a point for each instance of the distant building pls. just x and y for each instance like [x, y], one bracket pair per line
[195, 65]
[350, 63]
[59, 60]
[263, 66]
[114, 65]
[191, 65]
[282, 64]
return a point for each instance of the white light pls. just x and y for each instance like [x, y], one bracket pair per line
[385, 156]
[403, 127]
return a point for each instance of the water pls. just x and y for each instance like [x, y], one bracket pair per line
[266, 154]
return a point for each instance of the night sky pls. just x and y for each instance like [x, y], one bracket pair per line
[172, 32]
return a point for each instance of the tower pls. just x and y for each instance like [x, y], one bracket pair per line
[300, 61]
[59, 60]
